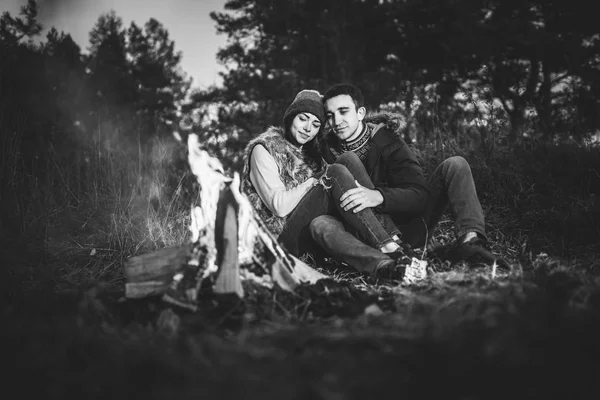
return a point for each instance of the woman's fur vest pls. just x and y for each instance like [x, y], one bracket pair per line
[294, 168]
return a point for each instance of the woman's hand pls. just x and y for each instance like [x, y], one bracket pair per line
[359, 198]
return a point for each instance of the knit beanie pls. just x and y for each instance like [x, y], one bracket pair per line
[305, 101]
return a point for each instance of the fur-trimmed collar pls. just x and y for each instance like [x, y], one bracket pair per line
[394, 122]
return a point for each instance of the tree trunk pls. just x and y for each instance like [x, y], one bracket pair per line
[517, 120]
[543, 106]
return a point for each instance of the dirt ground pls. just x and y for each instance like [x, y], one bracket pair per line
[526, 333]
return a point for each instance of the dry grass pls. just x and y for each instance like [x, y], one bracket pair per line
[464, 332]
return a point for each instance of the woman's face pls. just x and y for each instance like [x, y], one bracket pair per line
[305, 127]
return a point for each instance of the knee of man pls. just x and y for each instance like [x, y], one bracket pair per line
[321, 225]
[457, 163]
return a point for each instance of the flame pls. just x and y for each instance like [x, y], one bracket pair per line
[211, 177]
[288, 271]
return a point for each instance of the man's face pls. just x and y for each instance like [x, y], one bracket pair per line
[343, 117]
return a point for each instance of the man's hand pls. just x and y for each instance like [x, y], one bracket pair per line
[359, 198]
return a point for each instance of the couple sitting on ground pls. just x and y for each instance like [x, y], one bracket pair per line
[357, 193]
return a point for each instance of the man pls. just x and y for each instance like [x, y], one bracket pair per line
[398, 188]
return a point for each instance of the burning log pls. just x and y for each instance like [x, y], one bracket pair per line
[229, 243]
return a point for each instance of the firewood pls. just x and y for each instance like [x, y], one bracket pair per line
[158, 266]
[226, 240]
[231, 236]
[138, 290]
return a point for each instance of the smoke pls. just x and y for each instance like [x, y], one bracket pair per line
[99, 140]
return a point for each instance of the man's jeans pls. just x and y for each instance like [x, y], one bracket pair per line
[452, 187]
[333, 237]
[323, 199]
[450, 184]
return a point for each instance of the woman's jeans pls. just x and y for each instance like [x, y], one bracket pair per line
[351, 161]
[341, 241]
[323, 199]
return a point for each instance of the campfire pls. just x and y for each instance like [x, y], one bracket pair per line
[229, 244]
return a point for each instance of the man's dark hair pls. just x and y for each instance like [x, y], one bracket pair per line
[348, 89]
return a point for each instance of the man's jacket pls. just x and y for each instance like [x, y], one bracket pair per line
[393, 168]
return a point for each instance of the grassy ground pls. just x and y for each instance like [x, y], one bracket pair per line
[530, 332]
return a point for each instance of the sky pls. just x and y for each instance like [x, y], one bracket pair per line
[187, 21]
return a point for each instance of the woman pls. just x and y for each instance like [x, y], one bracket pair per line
[289, 184]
